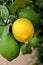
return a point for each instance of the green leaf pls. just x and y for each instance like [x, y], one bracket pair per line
[4, 13]
[1, 0]
[38, 1]
[17, 4]
[1, 21]
[35, 63]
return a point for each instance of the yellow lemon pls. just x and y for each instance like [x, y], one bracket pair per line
[22, 30]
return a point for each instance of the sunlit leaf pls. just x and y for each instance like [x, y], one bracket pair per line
[4, 13]
[17, 4]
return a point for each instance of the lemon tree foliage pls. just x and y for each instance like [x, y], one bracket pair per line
[1, 21]
[17, 4]
[4, 13]
[10, 11]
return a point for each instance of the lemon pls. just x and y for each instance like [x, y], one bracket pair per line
[22, 30]
[35, 42]
[26, 49]
[9, 47]
[30, 15]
